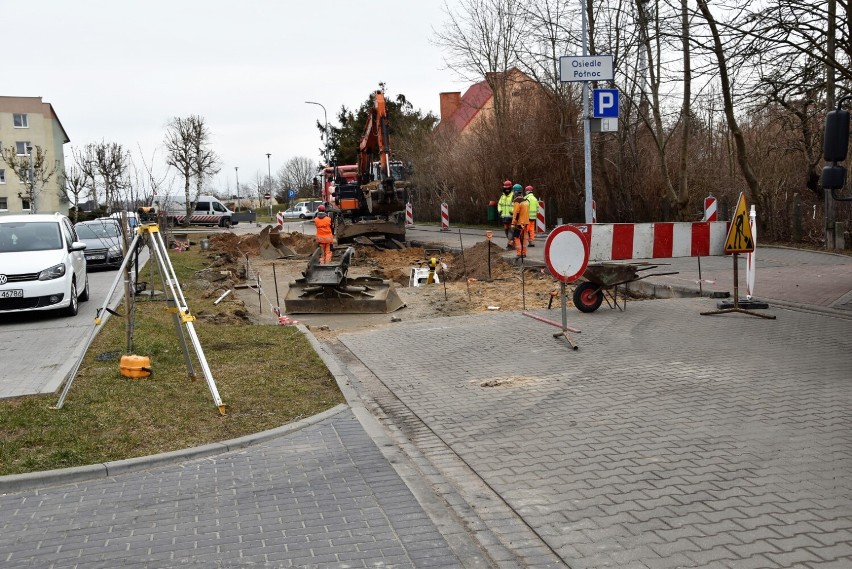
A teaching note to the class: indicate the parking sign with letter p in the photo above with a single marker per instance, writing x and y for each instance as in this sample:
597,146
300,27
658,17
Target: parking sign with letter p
605,103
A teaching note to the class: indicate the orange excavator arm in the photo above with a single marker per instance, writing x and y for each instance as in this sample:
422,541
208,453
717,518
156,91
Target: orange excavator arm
376,138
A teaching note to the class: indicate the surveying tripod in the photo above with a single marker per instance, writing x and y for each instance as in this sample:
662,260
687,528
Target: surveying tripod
149,234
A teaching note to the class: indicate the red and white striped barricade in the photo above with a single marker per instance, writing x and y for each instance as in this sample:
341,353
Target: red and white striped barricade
445,217
540,225
710,211
624,241
594,212
409,214
279,219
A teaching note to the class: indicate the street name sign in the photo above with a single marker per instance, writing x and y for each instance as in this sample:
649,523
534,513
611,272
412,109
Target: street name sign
585,68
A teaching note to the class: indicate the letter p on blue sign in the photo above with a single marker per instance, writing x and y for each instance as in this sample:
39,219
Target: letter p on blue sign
605,103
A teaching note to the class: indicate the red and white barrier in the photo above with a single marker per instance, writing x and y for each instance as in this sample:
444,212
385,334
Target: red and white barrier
279,219
710,211
445,217
621,241
540,226
409,214
594,212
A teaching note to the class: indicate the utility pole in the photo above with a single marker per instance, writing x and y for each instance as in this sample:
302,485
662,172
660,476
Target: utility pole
269,182
237,174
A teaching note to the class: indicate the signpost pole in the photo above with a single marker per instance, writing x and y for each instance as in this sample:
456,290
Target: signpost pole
587,126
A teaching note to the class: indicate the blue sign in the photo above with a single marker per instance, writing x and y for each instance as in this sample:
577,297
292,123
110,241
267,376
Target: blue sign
291,193
605,103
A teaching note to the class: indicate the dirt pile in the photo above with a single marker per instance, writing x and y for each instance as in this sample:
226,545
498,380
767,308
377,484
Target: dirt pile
466,286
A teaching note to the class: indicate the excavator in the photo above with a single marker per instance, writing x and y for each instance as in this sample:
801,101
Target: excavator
370,209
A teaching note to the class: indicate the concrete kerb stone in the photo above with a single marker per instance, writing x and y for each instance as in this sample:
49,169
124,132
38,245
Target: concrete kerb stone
32,480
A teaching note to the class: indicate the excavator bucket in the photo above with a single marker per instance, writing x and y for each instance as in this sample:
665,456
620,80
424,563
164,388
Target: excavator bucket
271,245
325,289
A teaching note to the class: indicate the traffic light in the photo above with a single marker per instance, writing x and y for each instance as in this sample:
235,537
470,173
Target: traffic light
836,142
834,150
316,184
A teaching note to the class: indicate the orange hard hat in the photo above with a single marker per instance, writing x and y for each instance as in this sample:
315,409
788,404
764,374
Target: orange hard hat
507,184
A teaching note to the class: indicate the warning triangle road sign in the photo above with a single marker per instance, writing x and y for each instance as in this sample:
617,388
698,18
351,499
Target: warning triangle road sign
740,239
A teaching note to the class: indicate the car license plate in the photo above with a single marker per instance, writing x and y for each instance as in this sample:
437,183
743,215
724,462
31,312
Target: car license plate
96,257
14,293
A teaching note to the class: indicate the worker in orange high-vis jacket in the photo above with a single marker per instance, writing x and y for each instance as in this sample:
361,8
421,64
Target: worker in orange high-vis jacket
325,236
520,221
533,213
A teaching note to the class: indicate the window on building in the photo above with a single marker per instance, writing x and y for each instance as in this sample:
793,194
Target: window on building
25,204
2,176
21,147
20,120
4,203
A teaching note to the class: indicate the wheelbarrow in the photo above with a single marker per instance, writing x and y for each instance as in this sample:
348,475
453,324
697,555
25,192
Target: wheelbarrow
601,282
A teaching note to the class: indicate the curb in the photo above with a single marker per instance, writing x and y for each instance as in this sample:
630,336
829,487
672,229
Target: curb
32,480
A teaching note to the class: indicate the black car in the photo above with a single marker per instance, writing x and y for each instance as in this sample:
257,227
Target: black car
103,242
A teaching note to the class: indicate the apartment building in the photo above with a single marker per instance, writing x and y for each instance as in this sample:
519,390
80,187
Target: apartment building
27,123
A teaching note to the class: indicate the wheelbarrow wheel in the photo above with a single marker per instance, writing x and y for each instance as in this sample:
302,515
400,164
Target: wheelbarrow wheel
588,297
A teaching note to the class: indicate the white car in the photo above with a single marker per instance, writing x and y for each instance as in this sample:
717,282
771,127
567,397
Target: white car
298,211
42,264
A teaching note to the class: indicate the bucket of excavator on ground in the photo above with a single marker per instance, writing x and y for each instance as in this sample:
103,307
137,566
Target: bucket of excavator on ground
271,244
362,295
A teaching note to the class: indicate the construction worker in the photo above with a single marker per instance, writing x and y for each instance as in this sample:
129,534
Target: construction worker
520,221
325,235
533,206
505,207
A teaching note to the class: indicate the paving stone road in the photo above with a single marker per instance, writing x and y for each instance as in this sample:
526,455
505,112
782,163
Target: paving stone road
669,439
321,497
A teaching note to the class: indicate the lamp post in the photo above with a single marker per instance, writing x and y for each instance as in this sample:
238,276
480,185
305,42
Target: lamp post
237,174
325,129
269,182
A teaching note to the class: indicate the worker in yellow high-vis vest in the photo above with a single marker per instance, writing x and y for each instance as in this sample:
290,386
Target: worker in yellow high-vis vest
533,212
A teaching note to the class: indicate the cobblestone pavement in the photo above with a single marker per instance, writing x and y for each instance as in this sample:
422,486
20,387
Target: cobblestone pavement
669,439
321,497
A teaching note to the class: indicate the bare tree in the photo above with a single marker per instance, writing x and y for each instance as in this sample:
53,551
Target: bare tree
110,163
733,125
32,170
188,146
73,181
297,173
482,38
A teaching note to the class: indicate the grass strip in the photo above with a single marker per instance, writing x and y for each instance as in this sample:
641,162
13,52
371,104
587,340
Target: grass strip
267,376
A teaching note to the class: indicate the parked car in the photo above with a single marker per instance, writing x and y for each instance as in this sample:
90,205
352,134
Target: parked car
42,264
298,211
312,207
103,242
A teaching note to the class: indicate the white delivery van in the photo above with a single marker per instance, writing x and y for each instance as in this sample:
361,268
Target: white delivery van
208,211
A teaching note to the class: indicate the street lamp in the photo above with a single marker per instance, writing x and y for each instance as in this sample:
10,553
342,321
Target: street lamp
325,130
269,181
237,174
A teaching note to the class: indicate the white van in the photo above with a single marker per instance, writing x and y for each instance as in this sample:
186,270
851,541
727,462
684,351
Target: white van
208,211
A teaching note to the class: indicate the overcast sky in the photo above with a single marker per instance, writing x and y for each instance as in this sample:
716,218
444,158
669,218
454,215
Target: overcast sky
117,71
